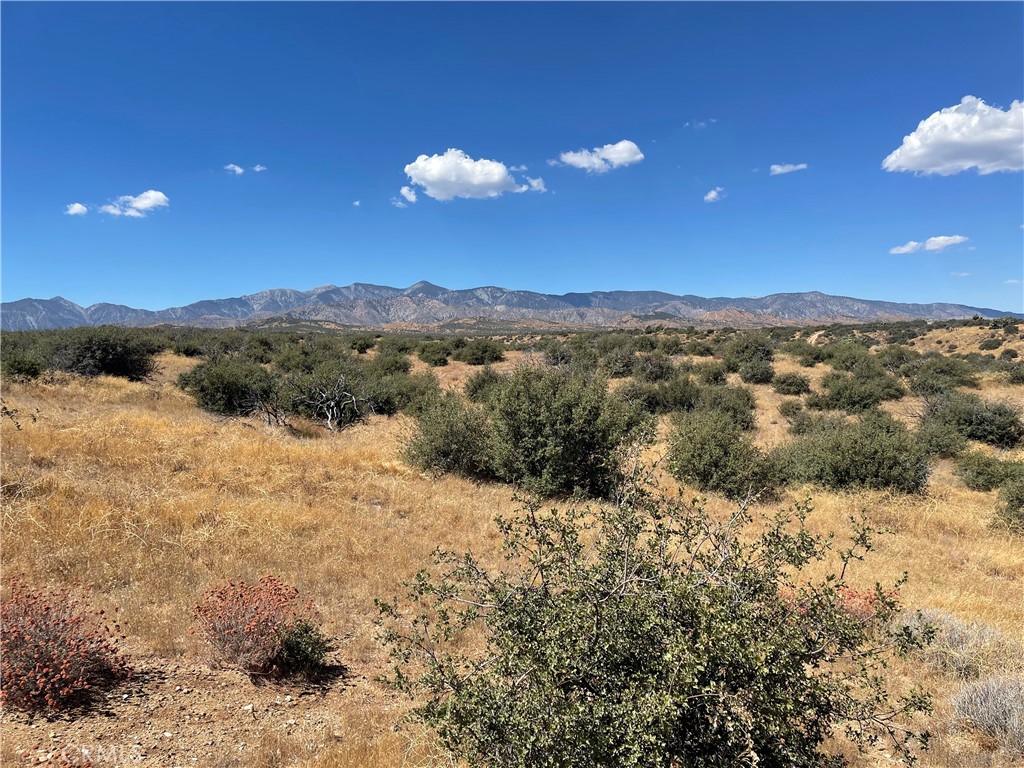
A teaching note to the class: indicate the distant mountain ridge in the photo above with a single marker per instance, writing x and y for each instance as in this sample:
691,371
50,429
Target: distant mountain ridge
364,304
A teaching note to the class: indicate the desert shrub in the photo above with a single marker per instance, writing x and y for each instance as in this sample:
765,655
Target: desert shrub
619,361
790,409
994,423
988,344
747,349
791,384
671,345
805,353
362,344
848,354
388,365
878,452
263,629
482,384
1009,354
677,394
994,707
757,372
104,351
737,403
855,393
895,357
55,653
1011,510
1015,374
19,357
434,353
558,433
404,392
712,373
964,650
400,346
230,386
451,436
982,472
940,439
480,352
653,367
708,450
335,394
647,633
698,348
939,374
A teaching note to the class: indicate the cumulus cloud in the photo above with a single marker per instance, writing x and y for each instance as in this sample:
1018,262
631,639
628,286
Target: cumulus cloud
714,195
971,134
937,243
259,168
602,159
536,185
76,209
235,169
518,168
137,206
456,174
357,203
777,169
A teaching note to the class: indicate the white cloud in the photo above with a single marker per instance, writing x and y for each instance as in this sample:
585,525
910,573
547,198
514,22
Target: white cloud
518,168
602,159
456,174
398,203
937,243
959,274
357,203
536,185
1012,281
777,170
137,206
714,195
409,194
235,169
971,134
76,209
259,168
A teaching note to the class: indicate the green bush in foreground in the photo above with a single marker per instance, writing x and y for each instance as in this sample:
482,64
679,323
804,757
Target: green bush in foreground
451,436
981,472
997,424
647,634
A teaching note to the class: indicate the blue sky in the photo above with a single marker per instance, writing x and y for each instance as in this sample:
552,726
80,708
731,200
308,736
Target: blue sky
630,115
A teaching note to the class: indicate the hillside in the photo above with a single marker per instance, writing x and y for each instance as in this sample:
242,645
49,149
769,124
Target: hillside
423,303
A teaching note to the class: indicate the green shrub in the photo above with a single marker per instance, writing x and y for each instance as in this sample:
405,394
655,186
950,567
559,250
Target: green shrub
619,362
482,384
698,348
988,344
805,353
712,373
653,367
230,386
450,436
557,433
895,358
1016,374
388,365
941,440
855,393
878,452
791,384
790,409
747,349
997,424
1011,511
650,634
677,394
847,355
708,450
104,351
1009,354
434,353
20,360
982,472
403,392
757,372
480,352
940,374
737,403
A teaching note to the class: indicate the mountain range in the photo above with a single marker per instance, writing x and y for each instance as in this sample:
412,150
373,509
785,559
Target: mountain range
366,305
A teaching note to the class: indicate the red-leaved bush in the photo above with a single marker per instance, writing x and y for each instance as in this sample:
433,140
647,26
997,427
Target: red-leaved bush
263,628
54,652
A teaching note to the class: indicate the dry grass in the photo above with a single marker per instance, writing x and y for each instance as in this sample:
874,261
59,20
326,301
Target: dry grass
131,488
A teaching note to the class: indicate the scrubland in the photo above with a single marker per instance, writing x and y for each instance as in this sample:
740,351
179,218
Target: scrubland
129,488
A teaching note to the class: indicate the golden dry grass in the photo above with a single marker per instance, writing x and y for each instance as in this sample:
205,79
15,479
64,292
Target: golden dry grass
131,488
